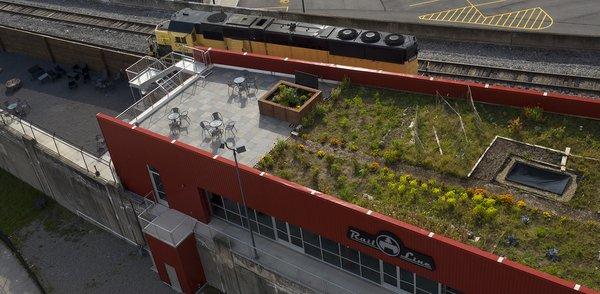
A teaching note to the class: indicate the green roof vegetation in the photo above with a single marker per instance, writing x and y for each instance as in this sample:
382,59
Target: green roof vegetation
365,146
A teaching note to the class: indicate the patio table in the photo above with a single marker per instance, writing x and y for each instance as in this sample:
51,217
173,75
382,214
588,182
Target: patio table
173,116
12,106
239,80
216,123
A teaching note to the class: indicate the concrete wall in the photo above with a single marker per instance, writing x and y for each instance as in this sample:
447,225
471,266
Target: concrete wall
421,30
96,200
63,51
235,274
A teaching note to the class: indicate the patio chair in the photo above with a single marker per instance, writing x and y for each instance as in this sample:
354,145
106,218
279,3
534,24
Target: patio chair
230,127
217,116
175,110
36,71
205,127
86,77
85,68
183,116
53,75
23,109
251,83
231,88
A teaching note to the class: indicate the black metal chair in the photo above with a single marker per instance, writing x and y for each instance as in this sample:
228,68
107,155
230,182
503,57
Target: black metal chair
205,127
217,116
36,71
230,127
183,116
53,75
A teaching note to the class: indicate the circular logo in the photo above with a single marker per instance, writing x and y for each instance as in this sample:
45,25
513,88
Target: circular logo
388,244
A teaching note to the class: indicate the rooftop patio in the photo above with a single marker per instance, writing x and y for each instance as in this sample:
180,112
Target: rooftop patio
200,98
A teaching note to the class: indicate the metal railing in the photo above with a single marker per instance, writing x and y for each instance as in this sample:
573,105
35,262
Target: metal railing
206,234
149,221
149,102
98,166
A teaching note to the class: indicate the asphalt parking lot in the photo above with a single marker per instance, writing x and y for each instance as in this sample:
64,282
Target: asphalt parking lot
566,17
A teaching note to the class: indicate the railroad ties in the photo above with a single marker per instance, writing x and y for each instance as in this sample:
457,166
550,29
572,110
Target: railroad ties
78,18
513,77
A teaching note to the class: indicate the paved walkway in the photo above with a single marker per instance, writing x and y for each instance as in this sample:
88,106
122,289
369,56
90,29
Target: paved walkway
13,277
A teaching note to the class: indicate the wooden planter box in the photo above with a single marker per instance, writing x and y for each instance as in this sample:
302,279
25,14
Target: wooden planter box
290,114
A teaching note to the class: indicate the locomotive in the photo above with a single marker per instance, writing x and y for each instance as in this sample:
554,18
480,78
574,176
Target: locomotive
298,40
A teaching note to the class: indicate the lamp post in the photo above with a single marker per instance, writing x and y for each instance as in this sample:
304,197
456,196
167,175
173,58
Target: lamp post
303,7
236,150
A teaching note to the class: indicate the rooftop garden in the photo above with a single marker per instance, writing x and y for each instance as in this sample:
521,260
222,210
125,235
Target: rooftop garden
379,149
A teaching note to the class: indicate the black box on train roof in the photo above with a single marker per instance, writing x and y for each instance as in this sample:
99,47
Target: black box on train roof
238,26
185,20
298,34
257,29
343,42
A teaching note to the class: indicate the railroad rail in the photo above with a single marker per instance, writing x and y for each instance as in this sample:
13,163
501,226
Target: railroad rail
514,77
129,26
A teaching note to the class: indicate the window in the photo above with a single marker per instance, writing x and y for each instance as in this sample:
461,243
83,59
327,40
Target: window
390,274
369,268
426,286
159,189
180,40
312,245
407,281
448,290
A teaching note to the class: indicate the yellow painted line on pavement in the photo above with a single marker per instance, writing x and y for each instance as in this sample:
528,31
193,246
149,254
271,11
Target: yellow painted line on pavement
526,19
424,2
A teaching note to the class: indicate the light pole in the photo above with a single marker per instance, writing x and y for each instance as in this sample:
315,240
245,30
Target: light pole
303,8
236,150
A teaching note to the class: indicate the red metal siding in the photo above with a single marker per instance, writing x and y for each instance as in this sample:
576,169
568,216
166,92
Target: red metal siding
184,259
552,102
184,168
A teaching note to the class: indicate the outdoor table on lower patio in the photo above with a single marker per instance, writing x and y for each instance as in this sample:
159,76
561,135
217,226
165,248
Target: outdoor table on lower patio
13,85
12,106
239,81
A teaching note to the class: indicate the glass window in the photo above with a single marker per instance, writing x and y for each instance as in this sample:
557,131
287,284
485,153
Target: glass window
389,274
180,40
231,205
264,219
391,280
219,212
331,258
266,231
351,266
282,236
310,238
330,246
370,274
296,241
426,286
216,199
312,250
407,281
159,188
234,218
368,261
448,290
281,225
295,231
349,253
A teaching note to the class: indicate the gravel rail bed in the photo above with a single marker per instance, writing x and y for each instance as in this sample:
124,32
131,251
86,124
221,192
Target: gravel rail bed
109,38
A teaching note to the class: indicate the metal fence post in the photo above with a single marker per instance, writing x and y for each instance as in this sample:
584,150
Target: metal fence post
86,166
22,127
112,172
55,145
32,132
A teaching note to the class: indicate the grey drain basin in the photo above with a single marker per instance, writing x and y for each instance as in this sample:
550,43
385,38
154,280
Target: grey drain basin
539,178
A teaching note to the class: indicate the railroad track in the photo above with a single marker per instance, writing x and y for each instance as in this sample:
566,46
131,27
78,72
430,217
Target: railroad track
136,27
528,79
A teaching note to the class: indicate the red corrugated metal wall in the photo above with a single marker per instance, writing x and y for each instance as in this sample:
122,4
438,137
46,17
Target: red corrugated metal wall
184,169
184,259
552,102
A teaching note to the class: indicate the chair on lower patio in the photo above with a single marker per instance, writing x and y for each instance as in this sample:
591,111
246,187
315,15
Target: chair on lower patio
183,116
205,127
217,116
230,127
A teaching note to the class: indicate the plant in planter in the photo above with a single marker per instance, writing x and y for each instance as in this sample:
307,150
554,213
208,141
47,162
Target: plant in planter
290,97
288,101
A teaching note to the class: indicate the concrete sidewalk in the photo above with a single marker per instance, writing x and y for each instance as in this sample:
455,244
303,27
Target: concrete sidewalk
13,277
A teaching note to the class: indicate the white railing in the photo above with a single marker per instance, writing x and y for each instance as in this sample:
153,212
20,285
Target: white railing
98,166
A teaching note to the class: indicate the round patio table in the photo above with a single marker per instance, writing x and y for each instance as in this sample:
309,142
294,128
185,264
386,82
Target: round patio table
173,116
216,123
13,85
12,106
239,80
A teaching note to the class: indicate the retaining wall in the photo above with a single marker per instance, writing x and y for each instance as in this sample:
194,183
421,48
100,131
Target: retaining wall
421,30
103,203
63,51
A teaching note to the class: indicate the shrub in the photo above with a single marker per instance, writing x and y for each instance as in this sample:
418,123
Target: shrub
266,162
506,199
329,159
478,211
280,146
414,183
374,166
463,197
335,93
335,141
490,213
320,154
450,194
301,147
323,137
286,174
515,126
343,122
290,96
353,147
478,198
520,204
335,169
547,214
436,191
489,202
401,188
391,155
534,113
481,191
424,187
